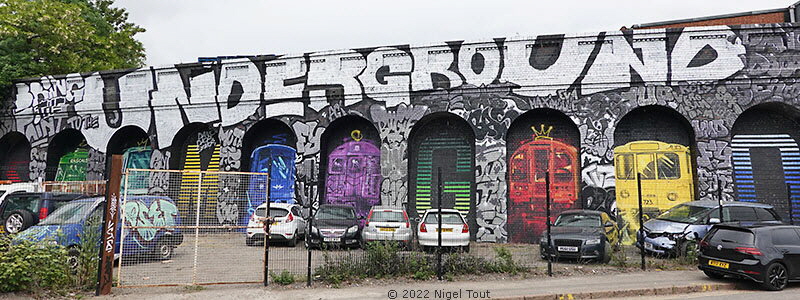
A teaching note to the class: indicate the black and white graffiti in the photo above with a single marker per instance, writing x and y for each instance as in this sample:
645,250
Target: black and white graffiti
707,76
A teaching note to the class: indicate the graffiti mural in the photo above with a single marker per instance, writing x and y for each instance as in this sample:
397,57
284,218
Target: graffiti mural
279,162
148,219
707,76
201,152
775,178
15,155
354,174
665,181
269,146
442,156
529,165
72,166
766,158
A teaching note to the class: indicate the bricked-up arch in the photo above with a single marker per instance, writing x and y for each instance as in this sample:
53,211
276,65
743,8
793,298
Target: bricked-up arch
133,138
539,141
15,157
446,141
269,146
63,143
658,143
196,147
765,157
351,164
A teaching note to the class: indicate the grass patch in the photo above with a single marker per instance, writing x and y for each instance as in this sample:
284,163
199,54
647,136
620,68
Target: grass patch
385,260
284,278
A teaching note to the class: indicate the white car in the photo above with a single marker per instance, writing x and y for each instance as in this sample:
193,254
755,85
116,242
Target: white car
10,188
385,223
287,225
455,231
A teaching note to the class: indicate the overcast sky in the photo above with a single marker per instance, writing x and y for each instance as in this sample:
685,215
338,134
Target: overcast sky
182,30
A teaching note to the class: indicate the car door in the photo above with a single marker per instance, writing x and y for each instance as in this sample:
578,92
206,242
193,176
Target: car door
787,242
301,222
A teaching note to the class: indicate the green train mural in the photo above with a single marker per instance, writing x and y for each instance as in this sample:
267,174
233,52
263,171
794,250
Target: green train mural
72,166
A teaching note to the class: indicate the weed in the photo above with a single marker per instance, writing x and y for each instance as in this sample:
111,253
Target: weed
384,260
284,278
32,267
619,258
194,288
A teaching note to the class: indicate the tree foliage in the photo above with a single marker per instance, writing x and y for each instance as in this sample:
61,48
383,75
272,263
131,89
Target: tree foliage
41,37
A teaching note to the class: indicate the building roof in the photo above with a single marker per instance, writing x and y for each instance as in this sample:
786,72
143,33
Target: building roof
792,7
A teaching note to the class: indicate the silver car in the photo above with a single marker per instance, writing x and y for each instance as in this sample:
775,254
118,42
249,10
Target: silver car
675,231
386,223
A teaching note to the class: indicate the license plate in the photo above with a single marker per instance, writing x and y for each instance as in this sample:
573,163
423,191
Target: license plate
445,230
648,246
332,239
718,264
567,249
387,229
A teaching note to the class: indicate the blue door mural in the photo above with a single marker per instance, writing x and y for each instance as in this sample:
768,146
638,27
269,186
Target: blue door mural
279,162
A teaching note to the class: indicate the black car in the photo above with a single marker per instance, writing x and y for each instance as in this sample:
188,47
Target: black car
22,210
581,234
334,225
767,254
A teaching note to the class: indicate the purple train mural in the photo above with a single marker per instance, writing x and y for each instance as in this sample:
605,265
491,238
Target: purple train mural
354,174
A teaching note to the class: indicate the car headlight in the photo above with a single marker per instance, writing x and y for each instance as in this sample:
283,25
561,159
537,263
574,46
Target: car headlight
352,229
314,229
593,242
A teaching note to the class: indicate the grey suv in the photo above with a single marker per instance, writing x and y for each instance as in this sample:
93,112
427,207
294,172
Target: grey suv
675,232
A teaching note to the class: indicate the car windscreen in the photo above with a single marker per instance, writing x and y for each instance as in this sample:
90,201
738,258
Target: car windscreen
69,213
387,216
684,213
336,213
447,218
273,212
578,220
733,236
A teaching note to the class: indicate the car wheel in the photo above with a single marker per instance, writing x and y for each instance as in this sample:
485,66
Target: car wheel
688,249
72,259
465,249
713,275
776,278
606,254
18,221
164,251
293,240
250,241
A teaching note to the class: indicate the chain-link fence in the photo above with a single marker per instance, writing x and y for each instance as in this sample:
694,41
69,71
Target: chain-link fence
190,227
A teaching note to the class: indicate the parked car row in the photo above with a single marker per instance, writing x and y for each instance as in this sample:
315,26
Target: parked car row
338,226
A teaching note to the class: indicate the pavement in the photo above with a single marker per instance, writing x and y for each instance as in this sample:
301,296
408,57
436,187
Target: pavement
648,284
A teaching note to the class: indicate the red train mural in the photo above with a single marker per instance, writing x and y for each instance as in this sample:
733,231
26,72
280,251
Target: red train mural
527,168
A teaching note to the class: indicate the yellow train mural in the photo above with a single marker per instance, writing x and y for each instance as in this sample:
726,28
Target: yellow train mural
667,180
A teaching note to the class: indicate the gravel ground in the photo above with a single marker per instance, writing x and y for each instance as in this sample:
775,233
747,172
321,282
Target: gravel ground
224,258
